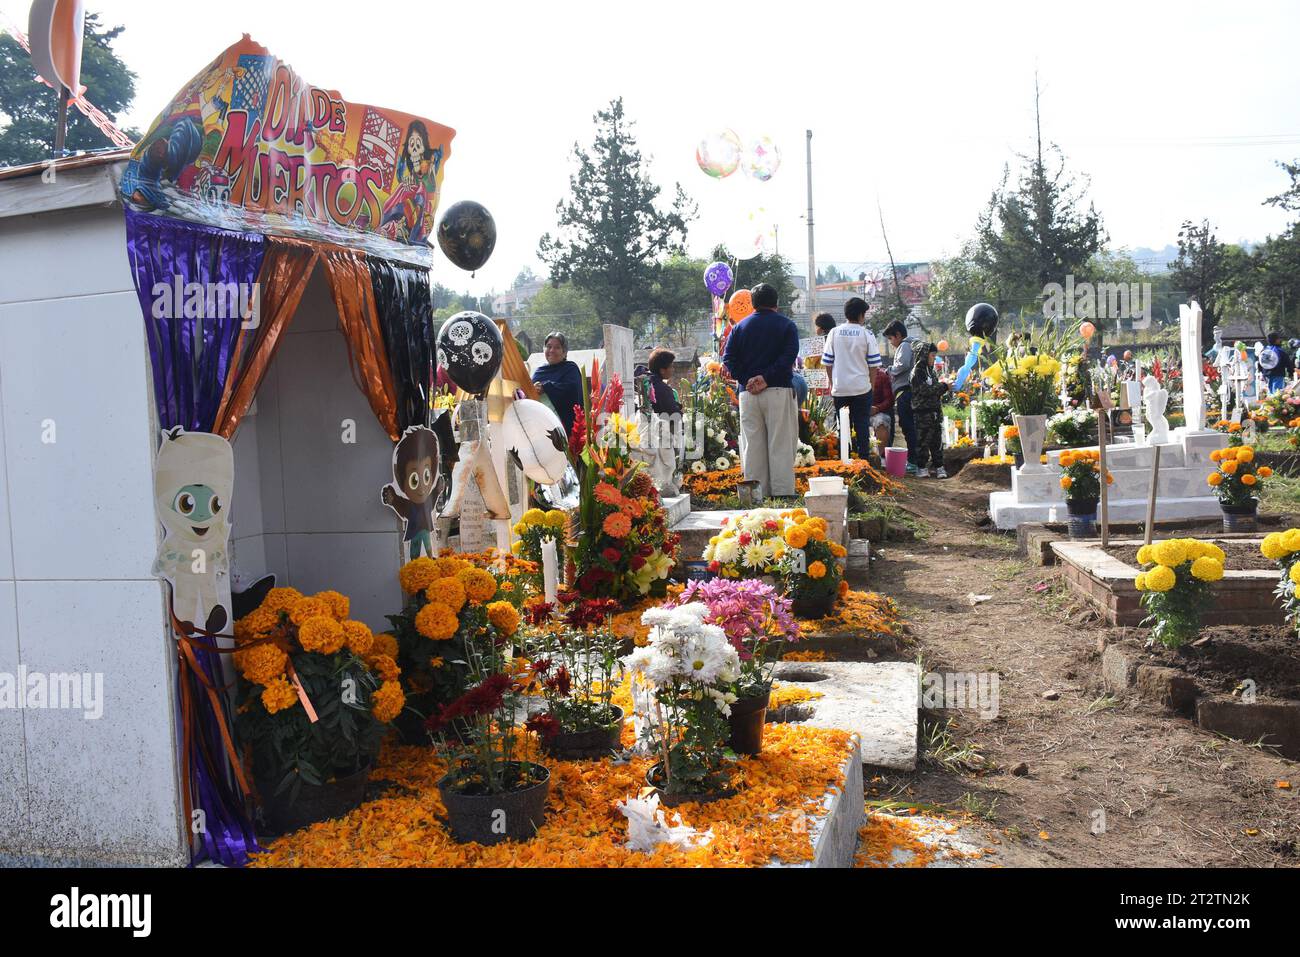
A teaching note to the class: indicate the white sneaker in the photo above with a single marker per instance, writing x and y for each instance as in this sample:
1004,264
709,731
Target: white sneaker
940,472
922,473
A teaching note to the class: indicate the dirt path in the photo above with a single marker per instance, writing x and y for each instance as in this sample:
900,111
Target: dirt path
1171,794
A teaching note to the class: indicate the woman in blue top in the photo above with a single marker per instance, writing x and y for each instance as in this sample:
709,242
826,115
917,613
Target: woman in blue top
560,379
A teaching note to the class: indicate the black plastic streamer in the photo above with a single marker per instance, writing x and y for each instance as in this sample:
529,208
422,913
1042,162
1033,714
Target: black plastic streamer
405,306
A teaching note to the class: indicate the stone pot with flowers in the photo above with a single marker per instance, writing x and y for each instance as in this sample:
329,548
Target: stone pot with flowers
317,691
1236,481
759,623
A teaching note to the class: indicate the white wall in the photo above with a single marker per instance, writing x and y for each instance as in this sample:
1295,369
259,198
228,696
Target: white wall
77,539
306,504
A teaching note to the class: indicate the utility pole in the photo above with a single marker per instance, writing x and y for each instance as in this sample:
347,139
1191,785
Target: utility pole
812,259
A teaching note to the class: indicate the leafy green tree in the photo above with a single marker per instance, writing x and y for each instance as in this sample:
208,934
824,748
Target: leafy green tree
1207,271
29,107
612,235
680,299
562,307
956,284
1036,232
1290,199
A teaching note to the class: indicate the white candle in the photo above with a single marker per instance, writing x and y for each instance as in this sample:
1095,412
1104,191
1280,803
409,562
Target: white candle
844,434
550,569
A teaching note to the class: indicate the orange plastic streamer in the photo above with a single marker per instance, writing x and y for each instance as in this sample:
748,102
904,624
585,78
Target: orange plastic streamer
354,297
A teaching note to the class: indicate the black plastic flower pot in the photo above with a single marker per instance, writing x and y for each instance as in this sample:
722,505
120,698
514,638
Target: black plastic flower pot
1240,518
654,778
1083,517
587,745
748,715
315,802
818,606
492,818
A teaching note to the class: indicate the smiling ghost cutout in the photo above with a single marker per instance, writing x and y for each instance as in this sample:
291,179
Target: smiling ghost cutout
193,477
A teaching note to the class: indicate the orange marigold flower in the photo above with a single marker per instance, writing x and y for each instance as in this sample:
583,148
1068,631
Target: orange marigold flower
1264,472
418,574
385,643
1245,454
844,587
278,695
796,537
339,604
504,618
385,667
449,567
480,586
305,608
616,525
436,622
817,570
281,599
1248,479
387,702
1216,455
1066,481
321,634
1214,478
358,637
449,592
1229,468
261,663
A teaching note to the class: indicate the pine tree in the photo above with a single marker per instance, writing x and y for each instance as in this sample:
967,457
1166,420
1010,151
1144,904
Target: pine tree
1207,271
31,107
612,236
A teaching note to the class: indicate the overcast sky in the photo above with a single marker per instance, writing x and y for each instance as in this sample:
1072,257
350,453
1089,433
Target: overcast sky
1173,110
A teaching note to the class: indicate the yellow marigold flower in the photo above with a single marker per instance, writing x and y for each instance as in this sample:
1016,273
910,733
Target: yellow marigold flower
1245,454
321,634
557,518
1271,547
1171,553
1291,539
534,516
281,599
1144,555
448,591
480,586
417,574
1229,468
387,702
1214,478
1214,551
1140,583
339,604
503,617
385,643
796,537
385,667
1294,573
1160,578
358,637
261,663
516,548
436,621
278,695
305,608
817,570
1207,569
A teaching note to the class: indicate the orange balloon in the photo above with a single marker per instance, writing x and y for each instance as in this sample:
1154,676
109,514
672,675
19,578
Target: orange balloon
740,306
943,345
1087,329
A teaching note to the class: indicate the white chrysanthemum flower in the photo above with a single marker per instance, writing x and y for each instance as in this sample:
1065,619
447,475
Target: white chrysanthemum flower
723,462
698,466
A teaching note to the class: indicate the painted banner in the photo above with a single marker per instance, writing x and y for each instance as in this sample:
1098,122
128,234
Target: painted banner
250,145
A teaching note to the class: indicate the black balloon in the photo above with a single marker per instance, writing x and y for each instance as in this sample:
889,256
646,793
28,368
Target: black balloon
469,348
982,320
467,235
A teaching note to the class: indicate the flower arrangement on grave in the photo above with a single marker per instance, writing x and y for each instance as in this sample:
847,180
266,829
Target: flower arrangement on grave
533,527
1029,370
810,568
1293,432
625,550
1281,407
347,674
1233,430
450,600
576,670
1012,435
1236,480
1073,427
992,414
1175,586
711,420
748,546
1081,475
755,618
1284,549
688,665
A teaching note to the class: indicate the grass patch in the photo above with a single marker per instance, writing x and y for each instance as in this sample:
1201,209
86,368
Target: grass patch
942,748
1009,570
1281,493
1001,543
892,515
979,807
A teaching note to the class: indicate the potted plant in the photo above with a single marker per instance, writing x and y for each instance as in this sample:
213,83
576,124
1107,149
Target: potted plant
316,693
1028,369
1284,549
688,666
1232,430
576,671
1073,427
809,567
1236,482
1011,436
1081,480
758,622
748,546
491,794
1175,586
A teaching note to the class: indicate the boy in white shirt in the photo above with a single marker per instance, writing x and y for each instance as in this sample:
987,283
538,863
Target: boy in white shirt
849,356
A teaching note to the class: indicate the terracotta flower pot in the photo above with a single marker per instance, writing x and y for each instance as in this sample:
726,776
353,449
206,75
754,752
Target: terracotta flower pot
493,818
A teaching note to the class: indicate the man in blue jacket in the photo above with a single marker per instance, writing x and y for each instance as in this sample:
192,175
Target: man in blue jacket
760,356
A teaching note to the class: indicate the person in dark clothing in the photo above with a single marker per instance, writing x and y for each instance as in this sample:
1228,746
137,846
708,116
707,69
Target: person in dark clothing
760,356
900,371
882,406
662,396
927,407
824,323
560,379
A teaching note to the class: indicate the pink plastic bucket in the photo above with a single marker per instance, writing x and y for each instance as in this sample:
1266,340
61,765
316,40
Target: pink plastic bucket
896,461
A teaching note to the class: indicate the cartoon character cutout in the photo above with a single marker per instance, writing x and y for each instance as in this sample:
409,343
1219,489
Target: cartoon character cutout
406,217
194,476
416,487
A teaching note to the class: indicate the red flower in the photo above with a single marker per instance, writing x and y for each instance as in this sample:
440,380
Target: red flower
483,698
543,725
637,562
714,566
578,438
560,682
612,555
536,613
744,539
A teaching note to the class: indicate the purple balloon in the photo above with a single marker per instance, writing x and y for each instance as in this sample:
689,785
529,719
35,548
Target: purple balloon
718,278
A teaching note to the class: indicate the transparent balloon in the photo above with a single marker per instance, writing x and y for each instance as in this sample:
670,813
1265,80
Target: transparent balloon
762,159
719,154
751,234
